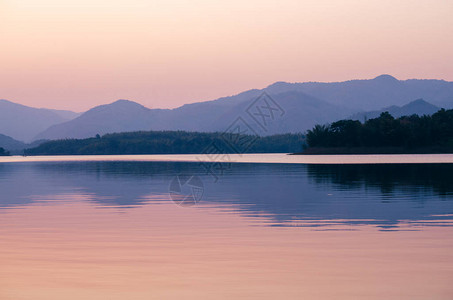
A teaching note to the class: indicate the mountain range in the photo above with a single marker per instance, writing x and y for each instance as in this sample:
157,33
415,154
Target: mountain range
14,146
417,107
374,94
279,108
300,112
25,123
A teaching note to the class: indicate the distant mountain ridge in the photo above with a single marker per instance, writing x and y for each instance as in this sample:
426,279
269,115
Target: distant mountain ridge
119,116
304,105
14,146
417,107
374,94
9,143
24,123
301,111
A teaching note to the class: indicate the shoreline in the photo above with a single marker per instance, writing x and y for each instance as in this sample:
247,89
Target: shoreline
270,158
374,151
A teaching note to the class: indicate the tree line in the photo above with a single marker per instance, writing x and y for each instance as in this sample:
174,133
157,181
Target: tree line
408,133
3,152
168,142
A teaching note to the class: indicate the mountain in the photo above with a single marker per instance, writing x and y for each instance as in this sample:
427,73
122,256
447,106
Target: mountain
417,107
9,143
24,123
14,146
374,94
300,112
120,116
301,106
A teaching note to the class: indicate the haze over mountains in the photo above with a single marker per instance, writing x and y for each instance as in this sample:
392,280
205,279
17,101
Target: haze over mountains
14,146
24,123
300,112
374,94
302,105
418,107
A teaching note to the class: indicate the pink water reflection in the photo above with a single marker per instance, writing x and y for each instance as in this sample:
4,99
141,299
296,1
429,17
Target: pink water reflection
68,248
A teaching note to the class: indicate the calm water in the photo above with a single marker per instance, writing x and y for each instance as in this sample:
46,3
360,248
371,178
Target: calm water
111,230
280,158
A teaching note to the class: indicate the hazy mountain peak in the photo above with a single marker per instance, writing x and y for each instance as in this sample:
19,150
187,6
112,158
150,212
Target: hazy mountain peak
119,116
419,102
385,78
23,122
417,107
125,102
120,106
421,105
279,84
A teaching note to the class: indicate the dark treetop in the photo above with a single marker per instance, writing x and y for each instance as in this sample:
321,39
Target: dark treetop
3,152
385,134
166,142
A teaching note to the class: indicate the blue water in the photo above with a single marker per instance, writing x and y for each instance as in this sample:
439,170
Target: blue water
287,195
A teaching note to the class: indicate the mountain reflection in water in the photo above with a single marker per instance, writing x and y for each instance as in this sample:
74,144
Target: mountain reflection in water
286,195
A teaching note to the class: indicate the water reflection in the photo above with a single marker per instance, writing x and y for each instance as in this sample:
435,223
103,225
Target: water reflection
285,195
414,178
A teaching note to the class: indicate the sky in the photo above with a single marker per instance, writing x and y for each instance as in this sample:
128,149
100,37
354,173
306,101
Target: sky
75,54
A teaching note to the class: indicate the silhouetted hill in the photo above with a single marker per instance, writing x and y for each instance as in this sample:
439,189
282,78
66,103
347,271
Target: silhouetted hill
24,123
302,106
374,94
120,116
9,143
16,147
300,112
418,107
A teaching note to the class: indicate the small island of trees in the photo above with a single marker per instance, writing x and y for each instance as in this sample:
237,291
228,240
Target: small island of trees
385,134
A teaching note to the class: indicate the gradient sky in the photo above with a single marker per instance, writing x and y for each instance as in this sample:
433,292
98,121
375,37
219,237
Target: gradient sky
164,53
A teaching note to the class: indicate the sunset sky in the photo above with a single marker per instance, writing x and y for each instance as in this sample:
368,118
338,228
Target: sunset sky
74,55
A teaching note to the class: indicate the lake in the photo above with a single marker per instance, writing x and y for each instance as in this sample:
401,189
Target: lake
295,227
279,158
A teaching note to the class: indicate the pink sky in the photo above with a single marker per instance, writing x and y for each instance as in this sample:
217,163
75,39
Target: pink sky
164,53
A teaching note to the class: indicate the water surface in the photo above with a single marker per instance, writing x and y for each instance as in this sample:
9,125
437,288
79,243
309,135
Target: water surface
280,158
110,230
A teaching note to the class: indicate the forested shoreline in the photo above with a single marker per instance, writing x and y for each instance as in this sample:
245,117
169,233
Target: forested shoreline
3,152
384,135
170,142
